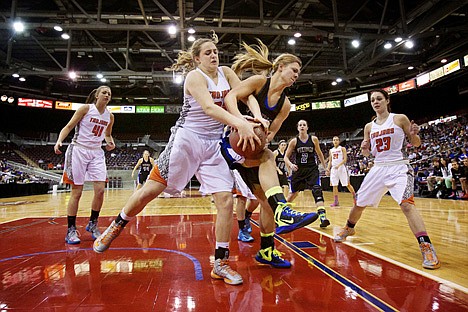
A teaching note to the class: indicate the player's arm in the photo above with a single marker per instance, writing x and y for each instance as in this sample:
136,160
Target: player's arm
289,150
410,128
196,85
345,156
76,118
327,171
319,151
138,164
108,134
275,154
152,161
279,119
365,144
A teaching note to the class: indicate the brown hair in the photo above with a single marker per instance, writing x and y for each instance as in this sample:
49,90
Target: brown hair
92,96
255,59
185,59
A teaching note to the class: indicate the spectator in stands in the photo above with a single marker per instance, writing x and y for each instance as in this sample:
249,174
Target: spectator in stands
84,158
464,178
385,138
456,173
145,163
435,176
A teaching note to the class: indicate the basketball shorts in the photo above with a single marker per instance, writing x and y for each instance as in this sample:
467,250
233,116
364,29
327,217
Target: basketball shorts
241,187
397,179
84,164
235,161
304,179
339,175
283,179
142,177
188,154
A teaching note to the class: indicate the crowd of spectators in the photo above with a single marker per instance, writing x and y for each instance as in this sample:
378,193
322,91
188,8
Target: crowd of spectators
9,175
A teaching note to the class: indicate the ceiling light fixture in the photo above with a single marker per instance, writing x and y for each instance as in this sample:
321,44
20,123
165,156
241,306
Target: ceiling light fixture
58,28
410,67
443,61
65,36
297,35
99,75
291,41
398,39
355,43
388,45
172,30
191,30
339,79
72,75
409,44
334,83
18,26
22,79
15,75
191,38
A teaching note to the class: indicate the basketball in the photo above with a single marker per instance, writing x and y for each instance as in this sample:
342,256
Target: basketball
248,153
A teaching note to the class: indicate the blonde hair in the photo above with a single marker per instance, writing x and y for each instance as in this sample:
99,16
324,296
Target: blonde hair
92,96
255,59
185,59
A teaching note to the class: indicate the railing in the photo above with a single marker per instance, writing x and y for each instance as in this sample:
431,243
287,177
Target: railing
35,171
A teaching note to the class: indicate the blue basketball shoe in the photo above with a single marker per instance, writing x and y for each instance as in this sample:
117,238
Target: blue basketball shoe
288,220
272,257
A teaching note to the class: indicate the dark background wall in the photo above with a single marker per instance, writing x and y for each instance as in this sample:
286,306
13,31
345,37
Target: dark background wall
420,105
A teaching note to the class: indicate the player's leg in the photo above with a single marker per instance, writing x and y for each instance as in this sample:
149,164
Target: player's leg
243,235
72,209
96,206
268,253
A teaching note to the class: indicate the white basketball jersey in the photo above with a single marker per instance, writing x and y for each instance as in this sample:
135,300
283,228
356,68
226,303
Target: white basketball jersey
337,155
192,116
387,141
90,131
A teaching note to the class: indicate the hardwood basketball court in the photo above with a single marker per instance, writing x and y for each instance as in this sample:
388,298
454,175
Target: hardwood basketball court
162,260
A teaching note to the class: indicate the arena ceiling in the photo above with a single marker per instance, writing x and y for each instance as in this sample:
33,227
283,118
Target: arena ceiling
128,42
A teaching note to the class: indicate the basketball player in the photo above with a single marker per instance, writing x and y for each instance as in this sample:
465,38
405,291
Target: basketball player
84,158
305,172
194,148
270,107
146,163
384,137
281,166
337,170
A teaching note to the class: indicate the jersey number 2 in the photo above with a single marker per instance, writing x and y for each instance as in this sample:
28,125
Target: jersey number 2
383,144
97,130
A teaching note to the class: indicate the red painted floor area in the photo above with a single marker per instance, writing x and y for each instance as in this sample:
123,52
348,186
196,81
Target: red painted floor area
162,263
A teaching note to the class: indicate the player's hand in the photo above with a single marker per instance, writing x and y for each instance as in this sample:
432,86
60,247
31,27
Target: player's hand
247,135
110,146
294,167
327,172
57,147
413,128
265,123
365,145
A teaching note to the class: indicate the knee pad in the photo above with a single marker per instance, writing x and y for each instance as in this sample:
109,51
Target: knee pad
317,193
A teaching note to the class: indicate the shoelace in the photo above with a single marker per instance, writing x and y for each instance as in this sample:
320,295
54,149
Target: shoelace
293,212
112,233
278,253
426,249
225,267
